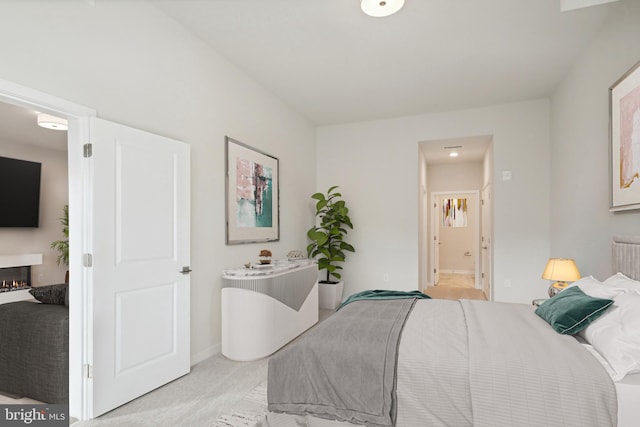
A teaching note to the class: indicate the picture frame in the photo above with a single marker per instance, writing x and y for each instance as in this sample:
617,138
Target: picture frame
624,135
252,194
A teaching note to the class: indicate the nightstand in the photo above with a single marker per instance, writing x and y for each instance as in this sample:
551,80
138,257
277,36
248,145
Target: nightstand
538,301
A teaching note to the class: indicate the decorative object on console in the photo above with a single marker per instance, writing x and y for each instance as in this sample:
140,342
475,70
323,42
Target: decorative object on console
265,256
296,255
624,127
562,270
252,194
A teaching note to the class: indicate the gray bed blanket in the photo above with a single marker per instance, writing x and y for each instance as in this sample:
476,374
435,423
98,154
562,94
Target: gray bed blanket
484,364
344,369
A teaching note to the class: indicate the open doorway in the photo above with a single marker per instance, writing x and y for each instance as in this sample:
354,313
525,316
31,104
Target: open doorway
120,264
57,151
455,227
33,155
452,214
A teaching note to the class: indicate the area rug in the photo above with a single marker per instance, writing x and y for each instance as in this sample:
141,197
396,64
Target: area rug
247,412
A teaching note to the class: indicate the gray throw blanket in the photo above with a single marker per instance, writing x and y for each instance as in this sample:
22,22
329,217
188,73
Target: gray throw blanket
318,374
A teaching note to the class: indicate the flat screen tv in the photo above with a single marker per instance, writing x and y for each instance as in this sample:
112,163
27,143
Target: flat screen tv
19,193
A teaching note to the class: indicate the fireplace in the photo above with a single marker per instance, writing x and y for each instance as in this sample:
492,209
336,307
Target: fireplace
15,278
15,275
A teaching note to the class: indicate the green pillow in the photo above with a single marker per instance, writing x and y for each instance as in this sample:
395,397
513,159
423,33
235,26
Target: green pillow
572,310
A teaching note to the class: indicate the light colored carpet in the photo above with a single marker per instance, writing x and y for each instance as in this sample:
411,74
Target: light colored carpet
195,400
214,388
248,411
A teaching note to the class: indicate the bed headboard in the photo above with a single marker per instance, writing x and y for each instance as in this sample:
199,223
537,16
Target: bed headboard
626,255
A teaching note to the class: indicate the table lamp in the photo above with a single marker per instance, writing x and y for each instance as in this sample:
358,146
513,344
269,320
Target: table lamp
562,270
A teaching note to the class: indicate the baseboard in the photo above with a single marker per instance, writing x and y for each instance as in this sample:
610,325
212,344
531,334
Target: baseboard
205,354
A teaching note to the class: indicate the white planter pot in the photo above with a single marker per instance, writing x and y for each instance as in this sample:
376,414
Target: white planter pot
330,295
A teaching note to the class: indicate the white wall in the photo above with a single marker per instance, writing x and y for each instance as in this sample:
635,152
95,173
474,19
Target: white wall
581,224
135,66
455,177
54,195
376,165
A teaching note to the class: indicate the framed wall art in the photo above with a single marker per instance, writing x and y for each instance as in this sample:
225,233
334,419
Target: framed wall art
252,196
624,127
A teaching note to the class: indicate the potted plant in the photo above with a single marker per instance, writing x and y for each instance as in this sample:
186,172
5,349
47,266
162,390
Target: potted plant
328,244
62,246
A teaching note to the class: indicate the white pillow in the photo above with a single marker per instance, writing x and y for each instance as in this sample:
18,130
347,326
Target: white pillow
595,288
619,280
616,334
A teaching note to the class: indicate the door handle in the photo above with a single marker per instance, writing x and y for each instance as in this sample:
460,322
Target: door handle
485,247
185,270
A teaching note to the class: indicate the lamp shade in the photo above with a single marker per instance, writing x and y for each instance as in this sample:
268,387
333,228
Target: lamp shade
380,8
561,269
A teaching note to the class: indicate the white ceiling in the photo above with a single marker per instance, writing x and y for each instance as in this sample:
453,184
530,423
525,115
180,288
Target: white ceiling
334,64
472,150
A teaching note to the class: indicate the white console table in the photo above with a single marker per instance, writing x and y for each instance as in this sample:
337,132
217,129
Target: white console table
262,310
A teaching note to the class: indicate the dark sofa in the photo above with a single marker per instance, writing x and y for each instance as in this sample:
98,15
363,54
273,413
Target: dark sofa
34,351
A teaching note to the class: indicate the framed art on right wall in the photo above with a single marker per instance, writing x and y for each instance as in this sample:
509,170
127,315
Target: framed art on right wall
624,129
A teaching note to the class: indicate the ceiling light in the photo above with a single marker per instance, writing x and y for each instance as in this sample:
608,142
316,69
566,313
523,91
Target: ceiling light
453,154
380,8
51,122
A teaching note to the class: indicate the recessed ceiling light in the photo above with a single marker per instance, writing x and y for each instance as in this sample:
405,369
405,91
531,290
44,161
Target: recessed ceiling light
381,8
51,122
453,154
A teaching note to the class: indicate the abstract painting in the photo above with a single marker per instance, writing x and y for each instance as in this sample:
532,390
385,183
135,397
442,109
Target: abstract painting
252,194
454,213
624,99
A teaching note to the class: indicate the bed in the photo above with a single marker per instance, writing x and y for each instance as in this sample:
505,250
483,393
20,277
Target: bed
477,364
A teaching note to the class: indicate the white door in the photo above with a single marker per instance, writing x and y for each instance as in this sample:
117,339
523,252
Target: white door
437,211
140,297
486,241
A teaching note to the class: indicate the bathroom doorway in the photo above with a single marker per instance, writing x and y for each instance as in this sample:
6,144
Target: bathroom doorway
455,220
